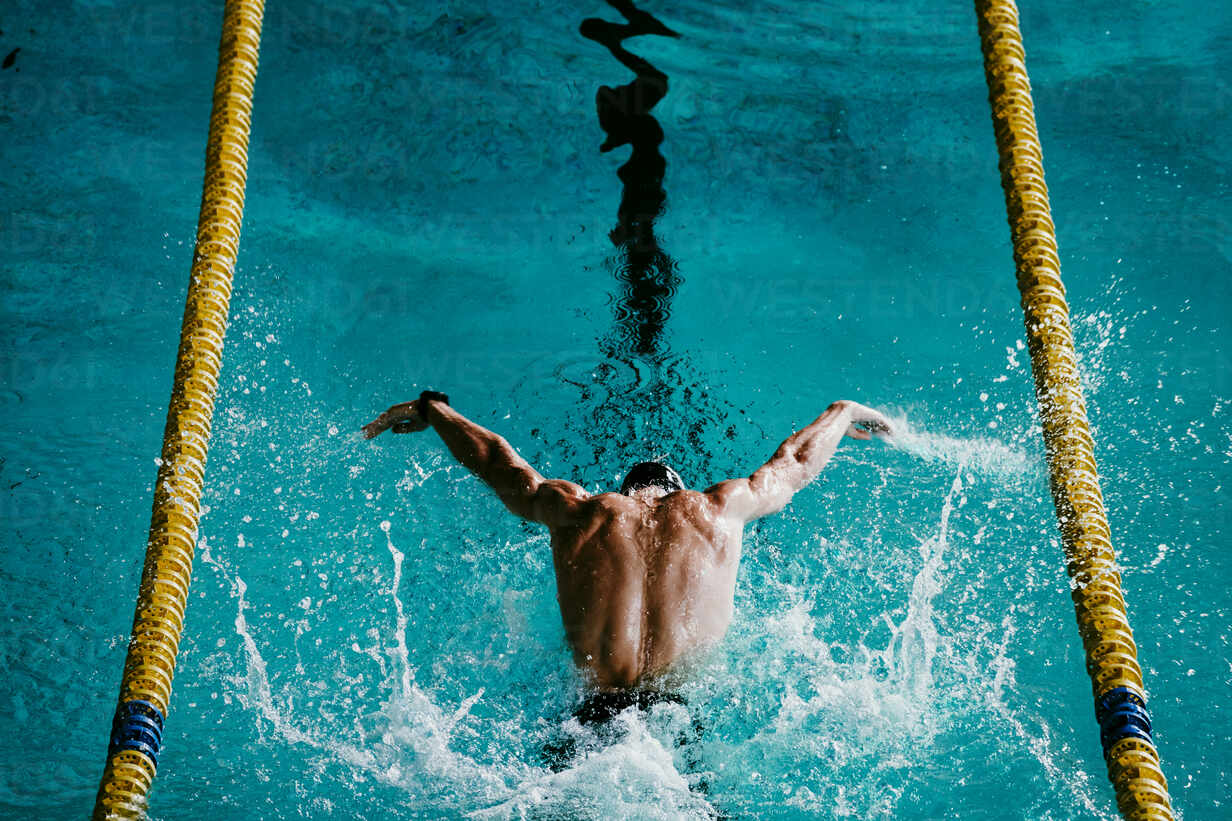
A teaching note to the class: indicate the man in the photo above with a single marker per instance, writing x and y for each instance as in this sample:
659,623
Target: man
646,575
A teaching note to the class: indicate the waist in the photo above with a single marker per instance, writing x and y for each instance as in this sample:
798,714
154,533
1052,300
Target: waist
602,706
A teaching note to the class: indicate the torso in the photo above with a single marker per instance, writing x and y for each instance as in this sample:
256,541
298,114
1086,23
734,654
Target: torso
641,583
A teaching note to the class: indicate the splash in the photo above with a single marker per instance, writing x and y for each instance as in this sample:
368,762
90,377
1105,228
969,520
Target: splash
634,778
990,457
402,653
892,668
868,708
914,645
1040,743
254,684
406,744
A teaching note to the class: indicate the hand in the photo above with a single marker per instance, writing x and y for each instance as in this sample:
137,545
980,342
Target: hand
403,418
865,422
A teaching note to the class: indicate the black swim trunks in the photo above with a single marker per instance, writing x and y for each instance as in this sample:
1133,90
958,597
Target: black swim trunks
599,709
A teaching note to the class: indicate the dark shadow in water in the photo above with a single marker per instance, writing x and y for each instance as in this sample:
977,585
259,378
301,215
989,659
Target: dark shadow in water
640,401
647,274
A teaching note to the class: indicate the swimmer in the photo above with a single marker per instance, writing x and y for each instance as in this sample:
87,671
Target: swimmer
646,576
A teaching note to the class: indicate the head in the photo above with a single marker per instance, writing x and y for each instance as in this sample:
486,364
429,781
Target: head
651,475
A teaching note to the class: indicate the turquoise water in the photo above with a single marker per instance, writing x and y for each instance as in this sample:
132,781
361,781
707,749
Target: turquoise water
371,635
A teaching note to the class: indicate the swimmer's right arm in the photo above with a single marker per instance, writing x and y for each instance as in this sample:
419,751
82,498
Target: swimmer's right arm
797,462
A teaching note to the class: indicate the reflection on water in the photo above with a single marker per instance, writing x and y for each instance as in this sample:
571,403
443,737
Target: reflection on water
647,274
641,401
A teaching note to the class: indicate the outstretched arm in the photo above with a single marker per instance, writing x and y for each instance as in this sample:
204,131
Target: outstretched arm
486,454
797,461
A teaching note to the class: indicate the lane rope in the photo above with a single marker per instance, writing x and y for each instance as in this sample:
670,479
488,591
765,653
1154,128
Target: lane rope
145,691
1111,655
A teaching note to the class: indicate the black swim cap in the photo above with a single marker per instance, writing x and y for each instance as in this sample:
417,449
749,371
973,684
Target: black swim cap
651,474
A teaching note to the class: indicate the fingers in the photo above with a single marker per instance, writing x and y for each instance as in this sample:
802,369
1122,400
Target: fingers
376,426
878,429
403,418
858,433
874,421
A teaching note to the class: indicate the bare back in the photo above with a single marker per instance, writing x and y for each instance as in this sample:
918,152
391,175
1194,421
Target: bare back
642,581
645,578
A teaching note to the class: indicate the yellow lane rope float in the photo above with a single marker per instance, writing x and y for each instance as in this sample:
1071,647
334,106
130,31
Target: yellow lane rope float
145,691
1111,655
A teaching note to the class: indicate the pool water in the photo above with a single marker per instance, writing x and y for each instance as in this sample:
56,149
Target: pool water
371,635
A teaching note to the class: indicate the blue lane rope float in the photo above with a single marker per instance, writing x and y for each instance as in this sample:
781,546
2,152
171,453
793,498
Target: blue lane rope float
138,726
145,690
1122,714
1111,655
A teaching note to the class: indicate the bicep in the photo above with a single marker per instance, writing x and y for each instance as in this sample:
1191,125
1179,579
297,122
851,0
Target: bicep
767,490
528,495
511,477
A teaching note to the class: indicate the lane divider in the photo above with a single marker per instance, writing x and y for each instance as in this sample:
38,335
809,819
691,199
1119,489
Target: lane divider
1111,655
145,691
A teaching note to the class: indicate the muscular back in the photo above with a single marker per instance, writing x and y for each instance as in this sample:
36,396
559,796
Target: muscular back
641,580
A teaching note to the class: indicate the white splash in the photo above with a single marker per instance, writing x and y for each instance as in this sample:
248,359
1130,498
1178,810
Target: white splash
402,653
914,644
410,741
990,457
634,777
258,695
1077,781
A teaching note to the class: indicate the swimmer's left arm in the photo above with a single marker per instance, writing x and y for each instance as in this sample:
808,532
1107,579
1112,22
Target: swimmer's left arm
403,418
488,455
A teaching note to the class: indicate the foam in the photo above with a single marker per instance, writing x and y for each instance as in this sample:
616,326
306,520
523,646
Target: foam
635,777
